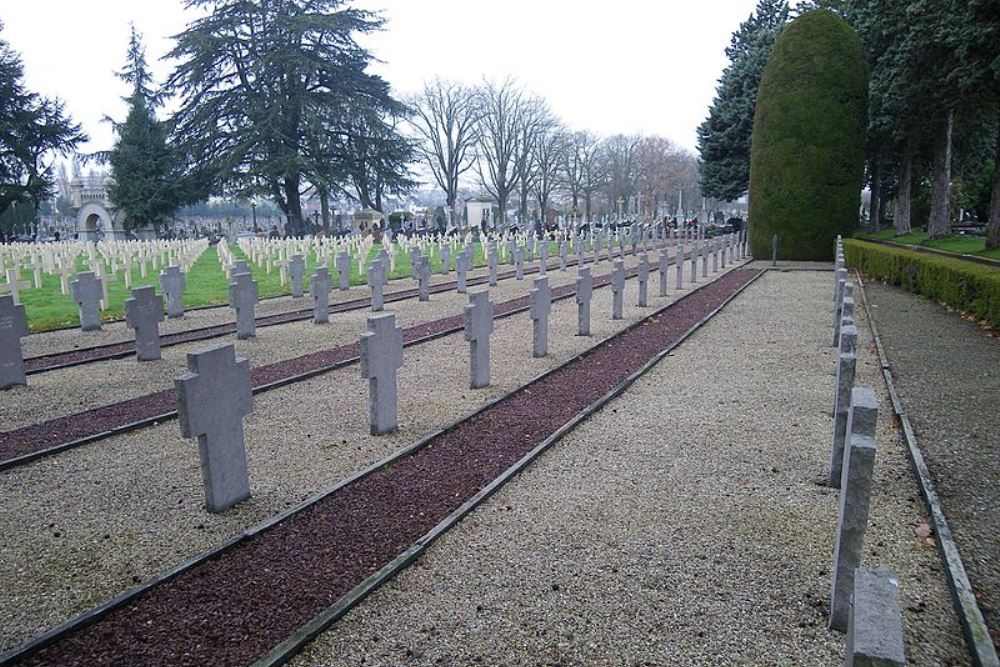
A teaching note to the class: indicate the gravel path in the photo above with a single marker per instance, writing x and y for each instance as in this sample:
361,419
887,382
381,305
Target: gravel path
681,525
93,521
947,373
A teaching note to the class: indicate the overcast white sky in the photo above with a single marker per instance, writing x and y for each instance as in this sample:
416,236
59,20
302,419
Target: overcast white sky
625,66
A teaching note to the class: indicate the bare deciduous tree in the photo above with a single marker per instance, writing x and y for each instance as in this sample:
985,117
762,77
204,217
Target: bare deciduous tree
621,155
584,169
547,157
500,111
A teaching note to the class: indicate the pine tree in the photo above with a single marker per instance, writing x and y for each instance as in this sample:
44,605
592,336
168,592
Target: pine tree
724,137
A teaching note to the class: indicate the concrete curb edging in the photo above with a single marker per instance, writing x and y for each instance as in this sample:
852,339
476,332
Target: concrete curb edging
974,627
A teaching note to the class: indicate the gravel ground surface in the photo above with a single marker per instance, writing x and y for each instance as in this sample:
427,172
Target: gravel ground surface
681,525
93,521
70,390
791,266
947,373
116,332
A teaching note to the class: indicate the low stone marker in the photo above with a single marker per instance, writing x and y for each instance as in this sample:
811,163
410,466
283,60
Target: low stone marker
715,254
319,287
87,293
617,289
239,266
643,280
855,495
144,312
664,271
445,259
848,339
13,327
172,286
846,311
846,365
343,266
424,276
838,295
376,280
562,255
541,306
875,626
679,265
212,400
243,297
478,327
584,294
704,259
491,263
297,272
381,357
14,284
462,263
694,262
519,263
543,257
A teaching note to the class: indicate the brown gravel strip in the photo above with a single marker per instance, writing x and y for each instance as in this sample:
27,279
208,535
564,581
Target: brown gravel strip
234,607
91,425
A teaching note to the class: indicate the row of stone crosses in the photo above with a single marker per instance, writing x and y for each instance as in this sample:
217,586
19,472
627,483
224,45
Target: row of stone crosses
864,603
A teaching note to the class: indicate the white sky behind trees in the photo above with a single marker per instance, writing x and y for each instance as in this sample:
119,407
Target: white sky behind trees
631,66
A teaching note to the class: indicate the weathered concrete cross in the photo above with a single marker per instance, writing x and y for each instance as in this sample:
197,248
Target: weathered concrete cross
462,264
445,259
541,306
478,327
297,270
172,286
664,271
87,293
617,289
243,297
381,357
424,276
643,276
376,280
343,266
519,263
319,287
144,312
14,285
584,293
491,262
13,327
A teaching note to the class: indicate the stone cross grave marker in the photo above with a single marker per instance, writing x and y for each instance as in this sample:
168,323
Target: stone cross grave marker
212,400
424,277
445,259
855,495
462,262
144,312
319,287
14,285
343,266
541,306
679,266
415,255
376,273
13,327
617,289
478,327
87,294
584,294
643,280
724,250
243,297
704,259
694,262
543,257
491,262
715,254
664,271
562,255
381,357
296,271
239,266
519,263
172,286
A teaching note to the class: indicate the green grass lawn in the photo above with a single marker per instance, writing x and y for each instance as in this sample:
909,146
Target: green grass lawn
965,245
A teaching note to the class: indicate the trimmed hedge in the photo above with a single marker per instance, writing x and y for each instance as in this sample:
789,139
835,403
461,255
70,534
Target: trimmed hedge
807,152
972,288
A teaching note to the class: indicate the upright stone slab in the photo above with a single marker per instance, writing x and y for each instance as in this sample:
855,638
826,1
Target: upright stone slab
343,266
87,293
445,259
846,365
143,313
562,255
704,259
679,266
212,400
855,495
462,263
376,280
381,357
543,257
239,266
617,289
584,294
694,262
715,254
424,276
848,339
478,327
297,272
319,287
243,297
875,625
13,327
664,271
541,306
839,295
491,263
519,263
172,287
643,276
846,311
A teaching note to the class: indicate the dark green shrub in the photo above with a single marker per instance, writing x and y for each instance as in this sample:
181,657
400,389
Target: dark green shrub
808,147
965,286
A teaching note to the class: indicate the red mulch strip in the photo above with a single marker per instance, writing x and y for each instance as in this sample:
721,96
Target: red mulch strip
229,610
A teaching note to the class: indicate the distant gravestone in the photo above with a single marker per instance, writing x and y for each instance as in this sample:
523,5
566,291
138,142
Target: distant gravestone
445,259
846,311
13,327
144,312
617,289
462,263
491,262
376,280
239,266
415,262
478,327
212,400
541,306
519,263
319,287
543,257
846,365
343,266
679,266
715,254
172,286
584,294
87,293
694,262
562,255
704,259
297,271
381,357
14,284
424,277
643,276
243,297
664,271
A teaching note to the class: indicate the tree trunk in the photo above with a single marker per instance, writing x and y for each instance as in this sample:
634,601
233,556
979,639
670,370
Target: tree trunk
586,206
324,205
940,222
993,227
901,219
875,210
294,205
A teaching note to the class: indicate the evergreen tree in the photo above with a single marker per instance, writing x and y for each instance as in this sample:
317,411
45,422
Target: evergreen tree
724,137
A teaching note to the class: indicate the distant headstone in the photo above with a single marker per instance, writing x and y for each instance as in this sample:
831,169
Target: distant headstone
239,266
541,306
694,262
243,297
584,293
343,266
664,271
875,625
846,311
445,259
704,259
715,254
144,312
643,276
212,400
376,280
679,266
519,263
14,284
617,289
562,255
87,293
846,366
13,327
172,286
424,276
319,287
543,257
491,262
297,271
478,327
462,263
381,357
